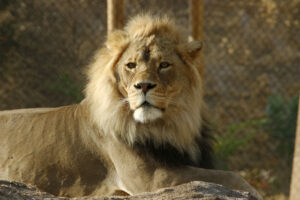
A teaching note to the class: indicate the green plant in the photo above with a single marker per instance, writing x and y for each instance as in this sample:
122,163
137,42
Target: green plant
281,124
235,138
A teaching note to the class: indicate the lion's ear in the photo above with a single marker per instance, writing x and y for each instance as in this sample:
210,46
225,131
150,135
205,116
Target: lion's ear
117,40
193,48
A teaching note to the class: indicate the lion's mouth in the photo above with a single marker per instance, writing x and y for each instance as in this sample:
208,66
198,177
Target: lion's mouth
147,112
147,104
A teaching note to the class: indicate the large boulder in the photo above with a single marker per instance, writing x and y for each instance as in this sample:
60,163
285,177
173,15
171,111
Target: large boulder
193,190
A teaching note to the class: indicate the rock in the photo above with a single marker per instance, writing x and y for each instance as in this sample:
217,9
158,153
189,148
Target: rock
192,190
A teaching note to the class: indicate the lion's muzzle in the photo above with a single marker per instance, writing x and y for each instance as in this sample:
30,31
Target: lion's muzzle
144,86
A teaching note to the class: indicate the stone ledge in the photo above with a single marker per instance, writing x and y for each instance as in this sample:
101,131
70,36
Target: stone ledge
193,190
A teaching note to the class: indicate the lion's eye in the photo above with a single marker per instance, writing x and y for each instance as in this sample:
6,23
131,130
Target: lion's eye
131,65
164,65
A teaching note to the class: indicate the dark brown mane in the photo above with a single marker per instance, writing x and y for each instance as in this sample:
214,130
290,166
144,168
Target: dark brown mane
168,155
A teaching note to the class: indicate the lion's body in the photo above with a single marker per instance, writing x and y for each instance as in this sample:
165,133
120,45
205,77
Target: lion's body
53,148
48,148
140,127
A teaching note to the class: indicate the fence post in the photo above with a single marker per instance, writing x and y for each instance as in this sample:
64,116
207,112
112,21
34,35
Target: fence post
115,15
196,22
295,182
196,18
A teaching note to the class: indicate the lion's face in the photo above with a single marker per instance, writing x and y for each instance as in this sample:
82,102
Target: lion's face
145,84
151,77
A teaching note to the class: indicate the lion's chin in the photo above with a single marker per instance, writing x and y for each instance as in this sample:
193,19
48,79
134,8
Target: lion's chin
146,114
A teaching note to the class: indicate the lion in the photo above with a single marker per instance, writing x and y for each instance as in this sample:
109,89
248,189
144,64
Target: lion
141,126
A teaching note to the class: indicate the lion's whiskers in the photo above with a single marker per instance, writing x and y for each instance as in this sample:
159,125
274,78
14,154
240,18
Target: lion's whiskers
163,99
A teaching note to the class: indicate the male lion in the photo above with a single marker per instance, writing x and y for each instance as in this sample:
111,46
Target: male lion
140,127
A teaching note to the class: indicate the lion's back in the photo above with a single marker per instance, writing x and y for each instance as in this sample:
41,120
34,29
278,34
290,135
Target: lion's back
45,147
30,139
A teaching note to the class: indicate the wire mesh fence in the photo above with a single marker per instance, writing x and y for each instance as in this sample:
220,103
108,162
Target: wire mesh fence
252,59
252,53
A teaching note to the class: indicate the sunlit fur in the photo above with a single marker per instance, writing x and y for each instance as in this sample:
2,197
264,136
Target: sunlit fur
110,100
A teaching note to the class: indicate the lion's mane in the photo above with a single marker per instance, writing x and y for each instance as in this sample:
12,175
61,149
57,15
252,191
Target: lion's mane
184,129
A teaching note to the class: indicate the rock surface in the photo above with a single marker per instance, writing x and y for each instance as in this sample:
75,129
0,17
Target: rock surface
192,190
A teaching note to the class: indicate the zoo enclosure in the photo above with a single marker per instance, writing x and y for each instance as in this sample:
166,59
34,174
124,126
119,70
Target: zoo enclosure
251,51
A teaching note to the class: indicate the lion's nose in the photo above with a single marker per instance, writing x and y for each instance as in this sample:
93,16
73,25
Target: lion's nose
144,86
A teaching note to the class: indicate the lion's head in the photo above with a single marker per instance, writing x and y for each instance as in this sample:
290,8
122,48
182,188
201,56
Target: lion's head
146,84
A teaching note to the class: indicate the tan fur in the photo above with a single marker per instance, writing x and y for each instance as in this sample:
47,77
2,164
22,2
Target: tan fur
87,149
114,116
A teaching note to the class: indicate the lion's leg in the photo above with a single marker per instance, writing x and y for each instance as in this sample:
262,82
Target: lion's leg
137,174
226,178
